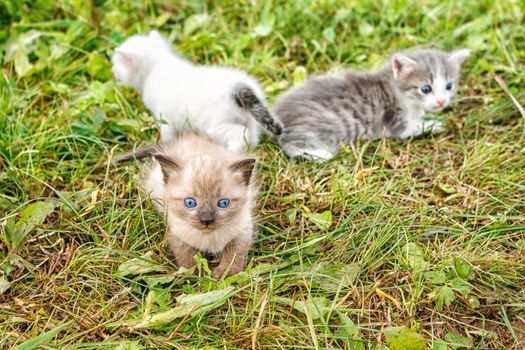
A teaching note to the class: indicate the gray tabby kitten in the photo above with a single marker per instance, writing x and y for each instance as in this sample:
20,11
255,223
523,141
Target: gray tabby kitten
390,102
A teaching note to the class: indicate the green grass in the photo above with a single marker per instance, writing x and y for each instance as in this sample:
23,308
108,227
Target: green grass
431,238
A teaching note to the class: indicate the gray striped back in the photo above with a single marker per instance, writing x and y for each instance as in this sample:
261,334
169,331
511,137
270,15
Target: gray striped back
327,110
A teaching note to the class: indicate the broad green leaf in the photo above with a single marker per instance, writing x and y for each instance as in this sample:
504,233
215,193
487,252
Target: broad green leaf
4,284
436,277
299,75
188,305
365,28
323,220
135,345
333,275
291,214
443,296
162,19
315,306
22,65
32,216
439,345
350,330
415,257
18,50
153,281
101,92
42,339
195,22
460,286
329,34
264,28
25,42
403,338
458,341
137,266
448,189
98,68
462,267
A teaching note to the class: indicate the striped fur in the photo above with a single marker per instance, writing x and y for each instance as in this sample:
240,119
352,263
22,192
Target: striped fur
246,99
327,110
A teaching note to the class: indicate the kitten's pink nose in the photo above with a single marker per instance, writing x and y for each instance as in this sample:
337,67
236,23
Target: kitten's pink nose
440,102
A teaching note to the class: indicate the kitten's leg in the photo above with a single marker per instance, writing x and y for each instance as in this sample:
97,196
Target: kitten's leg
434,126
233,257
235,137
183,252
306,147
166,132
415,127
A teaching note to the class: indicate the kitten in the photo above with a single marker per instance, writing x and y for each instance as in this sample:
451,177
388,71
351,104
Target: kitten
208,194
391,102
223,103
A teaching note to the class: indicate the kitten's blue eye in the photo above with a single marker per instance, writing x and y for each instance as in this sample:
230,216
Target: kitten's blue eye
449,86
223,203
190,202
426,89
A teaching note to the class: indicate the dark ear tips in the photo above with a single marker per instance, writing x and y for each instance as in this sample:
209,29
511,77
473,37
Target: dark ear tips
245,168
167,165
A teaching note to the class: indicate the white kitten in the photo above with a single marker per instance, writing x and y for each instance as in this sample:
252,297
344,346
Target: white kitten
222,103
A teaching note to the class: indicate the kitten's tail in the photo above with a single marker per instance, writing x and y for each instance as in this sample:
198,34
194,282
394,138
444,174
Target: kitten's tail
246,99
139,154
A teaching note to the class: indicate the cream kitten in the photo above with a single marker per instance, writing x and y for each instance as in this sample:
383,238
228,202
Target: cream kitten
223,103
208,194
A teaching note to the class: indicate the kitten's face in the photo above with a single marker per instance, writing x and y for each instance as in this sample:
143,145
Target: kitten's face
132,57
208,195
428,78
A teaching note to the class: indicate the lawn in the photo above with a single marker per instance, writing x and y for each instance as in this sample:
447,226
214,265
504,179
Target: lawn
392,244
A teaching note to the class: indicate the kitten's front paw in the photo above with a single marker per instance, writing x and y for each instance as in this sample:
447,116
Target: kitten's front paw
434,126
236,146
219,271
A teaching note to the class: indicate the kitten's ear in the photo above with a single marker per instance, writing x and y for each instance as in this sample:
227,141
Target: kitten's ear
245,169
402,64
128,60
167,165
457,57
156,36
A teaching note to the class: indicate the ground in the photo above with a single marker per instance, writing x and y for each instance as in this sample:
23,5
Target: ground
417,241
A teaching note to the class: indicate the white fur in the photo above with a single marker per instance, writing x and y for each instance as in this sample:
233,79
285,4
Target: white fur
184,95
435,101
215,241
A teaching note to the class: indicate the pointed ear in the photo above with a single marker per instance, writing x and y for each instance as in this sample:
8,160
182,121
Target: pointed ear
244,168
126,59
457,57
402,64
167,165
155,35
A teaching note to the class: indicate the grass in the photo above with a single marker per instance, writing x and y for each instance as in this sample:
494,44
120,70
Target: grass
428,233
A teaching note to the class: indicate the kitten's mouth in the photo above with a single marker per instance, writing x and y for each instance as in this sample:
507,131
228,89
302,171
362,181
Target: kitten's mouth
437,108
207,228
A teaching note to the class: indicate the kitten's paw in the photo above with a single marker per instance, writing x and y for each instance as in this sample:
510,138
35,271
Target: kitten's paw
317,155
434,126
237,146
219,271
